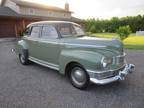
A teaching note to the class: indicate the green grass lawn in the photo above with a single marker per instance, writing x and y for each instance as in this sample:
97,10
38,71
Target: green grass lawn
132,42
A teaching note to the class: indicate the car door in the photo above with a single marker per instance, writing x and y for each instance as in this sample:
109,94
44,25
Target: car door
33,41
50,45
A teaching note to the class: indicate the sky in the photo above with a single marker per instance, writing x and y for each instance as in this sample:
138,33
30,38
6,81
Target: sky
102,9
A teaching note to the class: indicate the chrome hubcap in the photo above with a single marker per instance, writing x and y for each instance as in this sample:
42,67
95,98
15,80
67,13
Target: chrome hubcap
78,76
22,58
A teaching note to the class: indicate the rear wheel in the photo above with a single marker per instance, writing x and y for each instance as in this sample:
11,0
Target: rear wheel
78,77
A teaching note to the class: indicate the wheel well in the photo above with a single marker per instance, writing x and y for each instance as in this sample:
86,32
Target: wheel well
69,66
25,52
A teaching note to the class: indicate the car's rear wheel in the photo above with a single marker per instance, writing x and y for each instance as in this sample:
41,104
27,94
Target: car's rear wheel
23,59
78,77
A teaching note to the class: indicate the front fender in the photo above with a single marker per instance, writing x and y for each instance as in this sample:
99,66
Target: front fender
88,59
21,45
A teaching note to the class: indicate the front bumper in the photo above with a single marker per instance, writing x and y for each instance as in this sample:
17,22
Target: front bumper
129,68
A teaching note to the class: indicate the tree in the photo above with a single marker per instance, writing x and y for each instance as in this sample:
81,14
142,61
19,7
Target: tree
136,23
124,32
92,29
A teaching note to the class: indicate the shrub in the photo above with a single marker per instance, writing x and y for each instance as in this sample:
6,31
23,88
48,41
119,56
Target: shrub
123,31
88,33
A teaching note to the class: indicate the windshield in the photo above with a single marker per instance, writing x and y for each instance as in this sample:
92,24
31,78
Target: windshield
69,30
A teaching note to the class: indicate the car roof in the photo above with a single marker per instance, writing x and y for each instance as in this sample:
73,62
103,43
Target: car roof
52,22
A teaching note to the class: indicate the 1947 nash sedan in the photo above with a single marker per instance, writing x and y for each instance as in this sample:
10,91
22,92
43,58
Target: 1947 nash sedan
63,46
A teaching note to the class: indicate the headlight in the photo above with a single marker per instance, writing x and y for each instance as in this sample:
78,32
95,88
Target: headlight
105,61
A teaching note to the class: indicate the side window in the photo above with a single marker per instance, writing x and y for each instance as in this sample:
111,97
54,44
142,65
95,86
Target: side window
49,32
35,32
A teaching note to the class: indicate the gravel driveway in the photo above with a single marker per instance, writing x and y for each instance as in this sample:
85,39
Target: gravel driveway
34,86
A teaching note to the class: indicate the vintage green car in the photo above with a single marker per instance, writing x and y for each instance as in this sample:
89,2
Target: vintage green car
63,46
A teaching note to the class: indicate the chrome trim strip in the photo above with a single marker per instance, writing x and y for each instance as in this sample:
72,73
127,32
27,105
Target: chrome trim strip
43,41
44,63
56,43
81,45
93,71
86,45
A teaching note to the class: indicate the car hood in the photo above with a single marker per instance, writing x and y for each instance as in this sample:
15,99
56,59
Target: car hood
95,44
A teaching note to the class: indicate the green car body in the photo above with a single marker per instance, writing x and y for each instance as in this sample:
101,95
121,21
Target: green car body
101,58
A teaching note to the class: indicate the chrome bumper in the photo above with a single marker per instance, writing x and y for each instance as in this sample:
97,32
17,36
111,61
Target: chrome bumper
129,68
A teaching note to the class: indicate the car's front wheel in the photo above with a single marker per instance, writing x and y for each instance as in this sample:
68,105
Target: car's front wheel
78,77
23,59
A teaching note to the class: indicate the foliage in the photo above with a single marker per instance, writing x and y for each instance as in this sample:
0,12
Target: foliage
88,33
92,29
136,23
123,32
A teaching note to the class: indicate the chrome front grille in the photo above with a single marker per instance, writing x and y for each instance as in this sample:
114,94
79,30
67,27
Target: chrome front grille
119,59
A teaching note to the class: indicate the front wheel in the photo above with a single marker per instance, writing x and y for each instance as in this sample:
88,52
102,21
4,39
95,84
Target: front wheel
78,77
23,59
